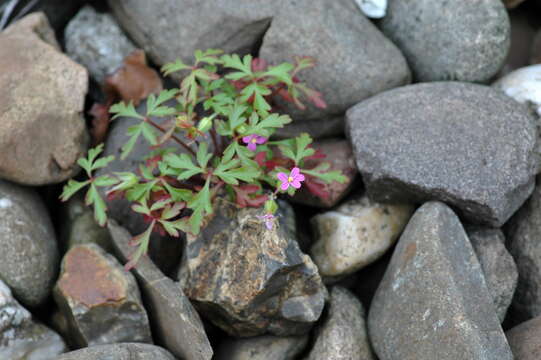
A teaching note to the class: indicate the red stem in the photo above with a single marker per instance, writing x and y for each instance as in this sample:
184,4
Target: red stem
182,143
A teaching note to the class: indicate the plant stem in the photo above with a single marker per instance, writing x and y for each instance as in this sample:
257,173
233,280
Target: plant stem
175,138
217,150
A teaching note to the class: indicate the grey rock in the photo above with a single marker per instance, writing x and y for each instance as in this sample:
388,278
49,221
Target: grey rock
343,335
175,322
464,144
21,338
500,270
318,129
262,348
523,85
29,257
129,351
524,340
450,40
96,41
249,280
433,301
99,299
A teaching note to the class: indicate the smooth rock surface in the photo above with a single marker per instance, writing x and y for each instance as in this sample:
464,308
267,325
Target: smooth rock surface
128,351
356,234
375,9
477,152
450,40
523,85
100,300
175,322
262,348
29,256
433,302
525,340
42,94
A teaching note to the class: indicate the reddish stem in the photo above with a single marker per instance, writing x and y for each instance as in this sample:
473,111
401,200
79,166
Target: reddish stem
175,138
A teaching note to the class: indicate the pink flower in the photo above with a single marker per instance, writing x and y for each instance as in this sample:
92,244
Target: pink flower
268,219
294,179
253,140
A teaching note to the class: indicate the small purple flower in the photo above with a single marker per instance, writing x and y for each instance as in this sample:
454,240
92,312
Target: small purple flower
294,179
253,140
268,219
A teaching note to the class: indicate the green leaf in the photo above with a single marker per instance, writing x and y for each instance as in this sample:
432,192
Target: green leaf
141,191
178,194
201,206
208,56
122,109
234,62
142,240
149,133
134,132
302,141
327,177
126,180
184,163
172,227
71,188
104,181
203,156
280,72
93,197
267,126
153,103
258,91
102,162
178,65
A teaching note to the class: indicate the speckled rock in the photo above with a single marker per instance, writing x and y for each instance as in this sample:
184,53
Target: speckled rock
101,301
318,129
42,95
129,351
523,85
525,340
248,280
96,41
29,256
450,40
21,338
498,266
262,348
36,23
478,152
343,334
433,302
175,322
356,234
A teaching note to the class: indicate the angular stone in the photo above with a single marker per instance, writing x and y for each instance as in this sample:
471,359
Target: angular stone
523,85
127,351
356,234
96,41
29,257
175,322
498,266
477,152
433,302
262,348
35,23
42,95
450,40
343,335
21,338
249,280
525,340
101,301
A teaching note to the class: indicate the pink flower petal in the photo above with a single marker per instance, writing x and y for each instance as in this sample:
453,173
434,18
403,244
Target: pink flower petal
282,176
284,185
299,177
269,223
296,184
261,139
251,146
246,139
294,172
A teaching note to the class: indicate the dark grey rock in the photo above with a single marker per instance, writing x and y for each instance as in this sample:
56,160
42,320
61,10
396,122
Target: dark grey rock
249,280
525,340
500,270
262,348
464,144
433,302
29,257
96,41
175,322
450,40
129,351
343,335
318,129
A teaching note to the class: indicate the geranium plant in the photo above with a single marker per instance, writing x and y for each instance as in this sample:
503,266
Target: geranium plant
223,124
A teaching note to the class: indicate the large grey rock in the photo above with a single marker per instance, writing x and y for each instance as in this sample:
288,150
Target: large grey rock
129,351
525,340
249,280
343,335
175,322
523,85
464,144
262,348
433,302
96,41
21,338
450,40
29,256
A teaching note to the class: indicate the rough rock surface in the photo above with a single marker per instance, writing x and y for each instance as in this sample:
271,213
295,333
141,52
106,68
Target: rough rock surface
450,40
29,256
343,335
100,300
356,234
523,85
42,94
433,302
96,41
500,270
525,340
175,322
20,337
477,152
318,129
262,348
249,280
126,351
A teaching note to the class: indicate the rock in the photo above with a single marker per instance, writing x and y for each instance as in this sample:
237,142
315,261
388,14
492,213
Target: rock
249,280
433,302
175,322
59,12
129,351
524,340
100,300
29,256
42,95
262,348
339,155
343,334
20,337
511,4
356,234
498,266
375,9
477,152
450,40
523,85
535,51
34,24
318,129
96,41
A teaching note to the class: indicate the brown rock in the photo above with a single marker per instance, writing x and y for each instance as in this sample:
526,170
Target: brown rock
36,23
525,340
262,348
130,351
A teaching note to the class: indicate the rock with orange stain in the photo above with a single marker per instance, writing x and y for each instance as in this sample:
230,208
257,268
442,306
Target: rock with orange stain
101,302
